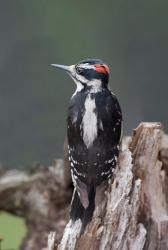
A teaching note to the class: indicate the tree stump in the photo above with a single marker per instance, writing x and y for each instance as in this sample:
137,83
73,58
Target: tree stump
131,214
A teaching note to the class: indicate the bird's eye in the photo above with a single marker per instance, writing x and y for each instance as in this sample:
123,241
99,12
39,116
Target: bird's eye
79,70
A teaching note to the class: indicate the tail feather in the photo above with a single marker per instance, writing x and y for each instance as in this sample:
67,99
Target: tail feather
77,211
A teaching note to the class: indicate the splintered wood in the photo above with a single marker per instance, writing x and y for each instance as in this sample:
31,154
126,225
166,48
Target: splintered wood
133,215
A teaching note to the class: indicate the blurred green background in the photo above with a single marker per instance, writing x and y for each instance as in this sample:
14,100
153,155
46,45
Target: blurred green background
131,36
12,231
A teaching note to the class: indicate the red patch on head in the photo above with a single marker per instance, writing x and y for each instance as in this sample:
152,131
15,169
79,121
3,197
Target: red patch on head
102,68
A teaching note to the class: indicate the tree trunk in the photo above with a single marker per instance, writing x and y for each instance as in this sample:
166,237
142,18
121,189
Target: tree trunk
131,214
42,197
134,213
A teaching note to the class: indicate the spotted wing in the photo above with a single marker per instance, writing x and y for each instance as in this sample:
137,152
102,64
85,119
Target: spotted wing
109,130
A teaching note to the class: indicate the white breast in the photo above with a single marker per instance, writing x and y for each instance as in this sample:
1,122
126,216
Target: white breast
89,122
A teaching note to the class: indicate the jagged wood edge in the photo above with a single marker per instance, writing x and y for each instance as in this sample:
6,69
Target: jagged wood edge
130,217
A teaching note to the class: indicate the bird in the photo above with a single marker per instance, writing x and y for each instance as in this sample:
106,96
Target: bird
94,132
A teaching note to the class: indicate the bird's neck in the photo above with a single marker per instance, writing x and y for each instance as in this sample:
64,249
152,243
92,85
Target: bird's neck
93,86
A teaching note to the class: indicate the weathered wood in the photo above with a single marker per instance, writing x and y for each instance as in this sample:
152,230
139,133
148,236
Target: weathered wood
133,214
146,145
41,196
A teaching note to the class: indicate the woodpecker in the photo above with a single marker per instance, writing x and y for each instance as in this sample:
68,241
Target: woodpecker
94,128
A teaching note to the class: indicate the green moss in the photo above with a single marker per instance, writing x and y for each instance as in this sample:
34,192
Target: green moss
12,231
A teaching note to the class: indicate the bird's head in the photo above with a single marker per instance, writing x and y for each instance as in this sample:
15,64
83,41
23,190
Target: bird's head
91,73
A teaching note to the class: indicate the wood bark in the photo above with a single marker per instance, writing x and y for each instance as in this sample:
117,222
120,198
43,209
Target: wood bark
131,213
41,196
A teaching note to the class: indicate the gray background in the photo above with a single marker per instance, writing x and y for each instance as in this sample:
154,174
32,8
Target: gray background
131,36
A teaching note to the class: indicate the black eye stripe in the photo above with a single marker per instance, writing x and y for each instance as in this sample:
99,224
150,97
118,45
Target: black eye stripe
79,70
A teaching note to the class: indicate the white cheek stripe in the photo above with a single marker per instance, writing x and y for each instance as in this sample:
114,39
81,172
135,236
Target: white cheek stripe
89,122
79,86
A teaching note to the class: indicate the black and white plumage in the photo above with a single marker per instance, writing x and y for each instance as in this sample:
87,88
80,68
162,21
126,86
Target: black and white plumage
94,127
